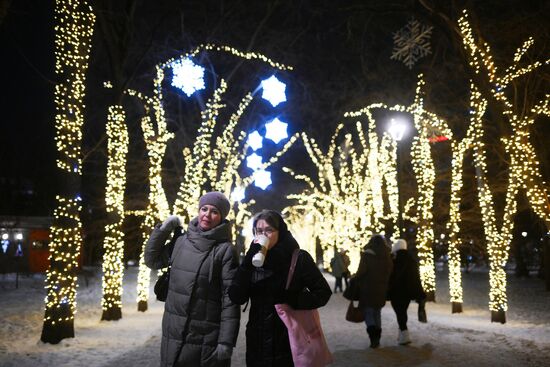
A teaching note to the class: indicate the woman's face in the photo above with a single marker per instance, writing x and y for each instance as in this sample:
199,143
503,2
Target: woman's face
209,217
262,227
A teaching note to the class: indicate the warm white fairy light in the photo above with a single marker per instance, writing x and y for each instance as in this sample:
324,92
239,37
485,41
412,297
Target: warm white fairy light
113,257
156,137
74,22
523,168
216,159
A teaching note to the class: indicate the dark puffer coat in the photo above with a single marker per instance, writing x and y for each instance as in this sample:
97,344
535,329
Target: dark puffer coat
267,343
405,282
197,304
373,274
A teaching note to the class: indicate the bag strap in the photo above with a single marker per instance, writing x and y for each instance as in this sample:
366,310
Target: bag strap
178,231
293,262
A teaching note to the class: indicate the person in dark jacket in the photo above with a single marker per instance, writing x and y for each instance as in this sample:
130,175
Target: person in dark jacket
200,323
337,267
372,276
267,342
404,286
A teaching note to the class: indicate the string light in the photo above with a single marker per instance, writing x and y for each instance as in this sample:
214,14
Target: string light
74,22
523,168
113,258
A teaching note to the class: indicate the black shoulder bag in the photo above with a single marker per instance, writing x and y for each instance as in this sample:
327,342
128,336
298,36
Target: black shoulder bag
161,286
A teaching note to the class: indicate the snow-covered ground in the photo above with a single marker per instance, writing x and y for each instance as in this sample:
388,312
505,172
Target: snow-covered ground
466,339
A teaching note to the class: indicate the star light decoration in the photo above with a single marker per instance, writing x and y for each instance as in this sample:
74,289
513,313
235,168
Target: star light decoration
188,76
411,43
262,179
238,194
255,140
254,161
273,90
276,130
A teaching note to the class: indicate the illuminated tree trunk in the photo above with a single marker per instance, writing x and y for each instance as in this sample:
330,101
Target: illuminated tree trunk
113,258
73,33
424,167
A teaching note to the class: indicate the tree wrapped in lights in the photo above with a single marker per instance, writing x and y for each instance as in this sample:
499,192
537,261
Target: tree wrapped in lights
213,160
523,169
345,202
113,264
156,136
73,32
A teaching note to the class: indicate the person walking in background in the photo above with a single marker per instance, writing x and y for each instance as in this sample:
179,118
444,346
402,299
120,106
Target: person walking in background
373,275
404,286
345,274
200,323
337,267
267,341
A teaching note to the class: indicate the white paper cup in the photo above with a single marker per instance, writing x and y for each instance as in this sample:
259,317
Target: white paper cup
259,258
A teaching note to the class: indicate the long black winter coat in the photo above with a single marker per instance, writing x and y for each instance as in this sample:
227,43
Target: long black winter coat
405,282
267,343
373,275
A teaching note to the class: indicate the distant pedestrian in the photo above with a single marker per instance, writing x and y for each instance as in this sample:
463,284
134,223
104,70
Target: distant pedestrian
345,274
337,267
373,275
404,286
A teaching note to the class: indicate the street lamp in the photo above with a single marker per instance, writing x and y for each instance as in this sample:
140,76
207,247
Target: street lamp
397,129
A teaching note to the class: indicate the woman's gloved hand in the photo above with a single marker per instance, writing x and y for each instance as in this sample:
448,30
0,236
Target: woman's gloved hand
170,223
247,261
224,351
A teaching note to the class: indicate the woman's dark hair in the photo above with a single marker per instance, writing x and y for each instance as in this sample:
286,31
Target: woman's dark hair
376,241
270,216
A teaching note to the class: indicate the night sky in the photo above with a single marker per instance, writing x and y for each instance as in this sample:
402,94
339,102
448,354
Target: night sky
27,148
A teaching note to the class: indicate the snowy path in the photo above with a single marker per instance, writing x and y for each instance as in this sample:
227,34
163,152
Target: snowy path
467,339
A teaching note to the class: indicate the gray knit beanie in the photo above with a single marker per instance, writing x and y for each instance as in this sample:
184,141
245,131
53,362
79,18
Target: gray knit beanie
217,199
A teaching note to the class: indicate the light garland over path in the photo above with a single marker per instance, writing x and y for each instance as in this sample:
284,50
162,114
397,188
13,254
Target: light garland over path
523,169
74,22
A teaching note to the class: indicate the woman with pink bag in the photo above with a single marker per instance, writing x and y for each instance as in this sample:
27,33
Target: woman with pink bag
283,285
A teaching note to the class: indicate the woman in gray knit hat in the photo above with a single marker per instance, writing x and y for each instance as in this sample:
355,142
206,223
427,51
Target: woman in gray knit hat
200,323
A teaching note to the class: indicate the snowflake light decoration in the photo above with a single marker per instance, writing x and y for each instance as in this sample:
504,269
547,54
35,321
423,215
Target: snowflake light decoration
273,90
411,43
187,76
276,130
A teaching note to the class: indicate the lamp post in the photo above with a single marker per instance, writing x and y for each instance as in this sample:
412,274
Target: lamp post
397,130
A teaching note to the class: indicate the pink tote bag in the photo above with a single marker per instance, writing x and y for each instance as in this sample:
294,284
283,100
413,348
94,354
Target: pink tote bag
307,340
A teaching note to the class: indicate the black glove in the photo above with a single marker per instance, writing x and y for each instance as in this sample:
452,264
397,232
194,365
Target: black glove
247,261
